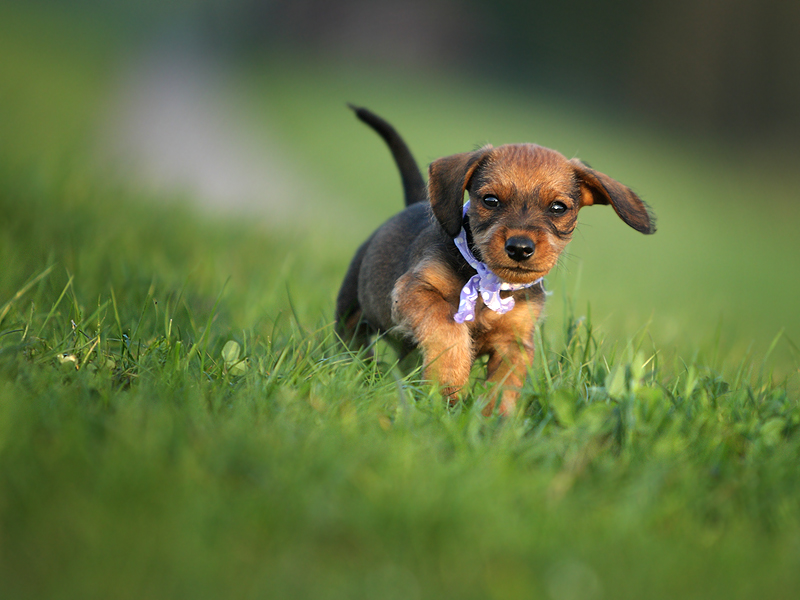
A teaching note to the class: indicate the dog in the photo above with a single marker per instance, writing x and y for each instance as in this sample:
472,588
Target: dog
461,279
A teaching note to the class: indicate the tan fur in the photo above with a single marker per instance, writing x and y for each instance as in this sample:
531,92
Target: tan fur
422,307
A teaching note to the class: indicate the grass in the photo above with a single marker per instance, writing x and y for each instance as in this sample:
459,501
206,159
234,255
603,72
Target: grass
176,420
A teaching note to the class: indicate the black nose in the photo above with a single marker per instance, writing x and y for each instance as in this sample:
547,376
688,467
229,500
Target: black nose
519,248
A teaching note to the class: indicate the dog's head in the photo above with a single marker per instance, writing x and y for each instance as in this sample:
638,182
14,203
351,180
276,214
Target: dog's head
524,202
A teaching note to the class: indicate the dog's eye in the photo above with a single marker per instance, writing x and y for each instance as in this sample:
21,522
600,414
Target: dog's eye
558,208
491,202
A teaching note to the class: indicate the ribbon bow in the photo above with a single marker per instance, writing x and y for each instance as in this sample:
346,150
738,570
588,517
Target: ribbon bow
484,281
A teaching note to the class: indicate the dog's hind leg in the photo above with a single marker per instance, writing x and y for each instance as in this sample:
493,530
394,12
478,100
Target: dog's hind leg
350,327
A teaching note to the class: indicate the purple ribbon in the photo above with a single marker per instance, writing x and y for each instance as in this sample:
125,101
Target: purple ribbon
484,282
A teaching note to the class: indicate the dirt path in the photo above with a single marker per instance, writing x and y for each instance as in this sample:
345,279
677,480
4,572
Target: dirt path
173,125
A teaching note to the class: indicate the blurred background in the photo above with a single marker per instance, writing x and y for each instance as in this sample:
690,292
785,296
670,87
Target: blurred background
238,107
728,68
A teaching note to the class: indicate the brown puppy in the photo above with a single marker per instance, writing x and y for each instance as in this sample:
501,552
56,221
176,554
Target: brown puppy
410,279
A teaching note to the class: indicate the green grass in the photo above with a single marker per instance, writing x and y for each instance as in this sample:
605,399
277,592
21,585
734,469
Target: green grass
144,455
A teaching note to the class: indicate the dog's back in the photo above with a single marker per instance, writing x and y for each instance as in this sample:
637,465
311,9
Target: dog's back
360,321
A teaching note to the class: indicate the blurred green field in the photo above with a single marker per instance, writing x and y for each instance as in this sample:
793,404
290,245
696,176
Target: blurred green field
723,264
143,454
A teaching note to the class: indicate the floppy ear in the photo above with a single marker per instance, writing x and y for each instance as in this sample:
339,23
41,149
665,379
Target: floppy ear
598,188
449,177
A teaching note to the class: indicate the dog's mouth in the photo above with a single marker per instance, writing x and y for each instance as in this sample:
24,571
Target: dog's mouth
514,271
517,274
522,271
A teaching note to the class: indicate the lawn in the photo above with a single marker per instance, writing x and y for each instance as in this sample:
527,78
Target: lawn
176,419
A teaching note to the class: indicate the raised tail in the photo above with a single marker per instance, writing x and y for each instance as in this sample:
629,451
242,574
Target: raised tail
414,187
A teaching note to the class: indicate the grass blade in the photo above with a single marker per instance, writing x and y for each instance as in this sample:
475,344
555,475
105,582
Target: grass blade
23,290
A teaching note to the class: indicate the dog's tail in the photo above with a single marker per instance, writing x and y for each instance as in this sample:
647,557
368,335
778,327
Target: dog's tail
414,187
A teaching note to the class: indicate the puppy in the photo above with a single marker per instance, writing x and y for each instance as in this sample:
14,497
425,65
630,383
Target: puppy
462,279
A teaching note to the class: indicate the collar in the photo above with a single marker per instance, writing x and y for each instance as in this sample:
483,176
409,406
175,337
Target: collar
484,282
